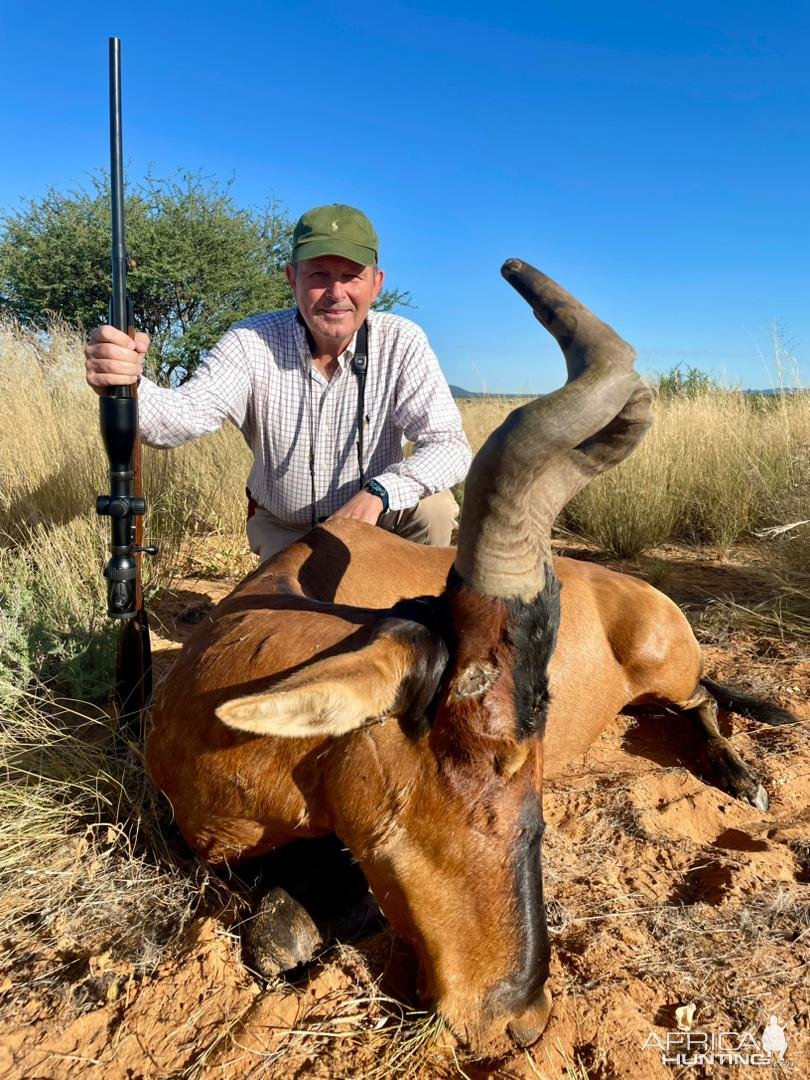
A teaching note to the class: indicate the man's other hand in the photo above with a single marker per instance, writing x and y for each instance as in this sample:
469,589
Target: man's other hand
363,507
112,358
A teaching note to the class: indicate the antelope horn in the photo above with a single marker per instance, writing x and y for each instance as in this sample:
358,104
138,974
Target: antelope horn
547,450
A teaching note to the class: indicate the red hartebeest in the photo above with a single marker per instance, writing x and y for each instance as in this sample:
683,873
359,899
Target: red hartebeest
411,699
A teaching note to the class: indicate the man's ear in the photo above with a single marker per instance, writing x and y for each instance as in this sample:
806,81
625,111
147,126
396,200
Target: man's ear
396,674
289,270
378,283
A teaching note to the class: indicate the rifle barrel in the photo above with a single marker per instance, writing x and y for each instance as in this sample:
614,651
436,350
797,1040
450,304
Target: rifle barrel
125,504
119,315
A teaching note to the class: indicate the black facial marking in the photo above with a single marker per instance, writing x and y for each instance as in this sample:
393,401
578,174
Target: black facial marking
533,631
522,987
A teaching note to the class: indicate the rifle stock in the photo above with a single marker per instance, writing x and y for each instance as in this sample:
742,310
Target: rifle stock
125,505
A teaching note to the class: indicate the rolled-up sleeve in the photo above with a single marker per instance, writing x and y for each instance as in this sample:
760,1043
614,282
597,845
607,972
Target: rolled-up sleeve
219,390
427,415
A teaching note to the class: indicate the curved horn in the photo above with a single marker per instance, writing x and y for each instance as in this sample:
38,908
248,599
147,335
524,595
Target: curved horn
547,450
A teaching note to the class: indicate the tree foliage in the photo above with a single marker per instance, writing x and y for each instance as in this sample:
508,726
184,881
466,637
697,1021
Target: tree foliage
199,263
684,381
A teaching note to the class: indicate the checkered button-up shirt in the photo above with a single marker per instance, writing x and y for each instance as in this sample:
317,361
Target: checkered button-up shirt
260,376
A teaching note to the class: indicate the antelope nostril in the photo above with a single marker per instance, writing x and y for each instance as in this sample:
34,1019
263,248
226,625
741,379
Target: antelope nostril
530,1025
524,1036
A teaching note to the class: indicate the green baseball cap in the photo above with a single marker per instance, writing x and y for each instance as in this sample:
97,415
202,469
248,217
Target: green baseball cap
335,230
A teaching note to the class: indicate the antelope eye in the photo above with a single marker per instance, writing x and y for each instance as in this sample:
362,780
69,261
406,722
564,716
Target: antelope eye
475,681
511,758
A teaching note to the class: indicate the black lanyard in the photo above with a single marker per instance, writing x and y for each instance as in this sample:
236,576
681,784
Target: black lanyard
359,366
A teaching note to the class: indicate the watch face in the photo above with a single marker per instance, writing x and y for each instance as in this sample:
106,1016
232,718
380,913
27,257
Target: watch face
377,489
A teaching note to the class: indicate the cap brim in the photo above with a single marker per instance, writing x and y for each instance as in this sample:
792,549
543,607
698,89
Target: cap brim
313,249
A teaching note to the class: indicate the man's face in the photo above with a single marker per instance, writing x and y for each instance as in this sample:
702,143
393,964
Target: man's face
334,296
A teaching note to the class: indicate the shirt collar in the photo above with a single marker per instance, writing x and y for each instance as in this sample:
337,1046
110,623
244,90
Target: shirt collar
302,343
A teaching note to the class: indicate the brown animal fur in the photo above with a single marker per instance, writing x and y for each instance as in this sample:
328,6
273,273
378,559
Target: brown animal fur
293,624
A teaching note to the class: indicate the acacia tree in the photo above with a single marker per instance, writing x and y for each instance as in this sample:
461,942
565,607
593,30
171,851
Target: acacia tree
199,263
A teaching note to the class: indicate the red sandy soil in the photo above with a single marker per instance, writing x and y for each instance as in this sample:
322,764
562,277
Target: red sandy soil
661,891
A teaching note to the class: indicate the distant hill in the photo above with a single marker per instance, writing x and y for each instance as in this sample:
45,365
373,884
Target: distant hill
460,392
788,391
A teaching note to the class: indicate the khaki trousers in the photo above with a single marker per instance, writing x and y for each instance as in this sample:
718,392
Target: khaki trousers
430,522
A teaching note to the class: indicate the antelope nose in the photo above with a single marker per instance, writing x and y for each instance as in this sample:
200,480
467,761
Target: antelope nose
530,1025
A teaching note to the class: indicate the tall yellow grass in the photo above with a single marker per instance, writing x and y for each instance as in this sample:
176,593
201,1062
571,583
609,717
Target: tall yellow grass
715,469
84,860
52,463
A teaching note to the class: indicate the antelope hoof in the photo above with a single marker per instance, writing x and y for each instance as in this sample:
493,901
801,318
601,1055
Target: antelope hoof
734,776
760,799
281,937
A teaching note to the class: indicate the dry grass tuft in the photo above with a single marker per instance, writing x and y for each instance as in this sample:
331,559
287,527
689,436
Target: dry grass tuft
786,615
784,612
85,864
86,861
714,469
52,462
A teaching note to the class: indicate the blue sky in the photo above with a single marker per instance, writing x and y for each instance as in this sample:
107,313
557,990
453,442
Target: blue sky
654,161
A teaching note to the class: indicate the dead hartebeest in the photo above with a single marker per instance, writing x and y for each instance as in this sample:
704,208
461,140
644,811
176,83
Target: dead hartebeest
411,699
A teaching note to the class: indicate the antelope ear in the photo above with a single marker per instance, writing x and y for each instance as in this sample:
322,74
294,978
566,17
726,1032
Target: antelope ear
397,673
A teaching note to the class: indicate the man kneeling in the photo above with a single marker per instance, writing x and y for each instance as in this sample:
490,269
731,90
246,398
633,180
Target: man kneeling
324,394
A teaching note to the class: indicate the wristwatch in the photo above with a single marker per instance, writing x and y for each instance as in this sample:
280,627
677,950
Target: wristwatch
379,491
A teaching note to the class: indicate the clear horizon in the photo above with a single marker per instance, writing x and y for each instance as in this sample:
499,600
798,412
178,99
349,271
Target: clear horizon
654,162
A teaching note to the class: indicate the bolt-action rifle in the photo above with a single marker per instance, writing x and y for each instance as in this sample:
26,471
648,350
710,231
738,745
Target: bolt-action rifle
125,505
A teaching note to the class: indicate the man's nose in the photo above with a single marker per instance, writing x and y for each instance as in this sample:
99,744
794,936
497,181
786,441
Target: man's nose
336,290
